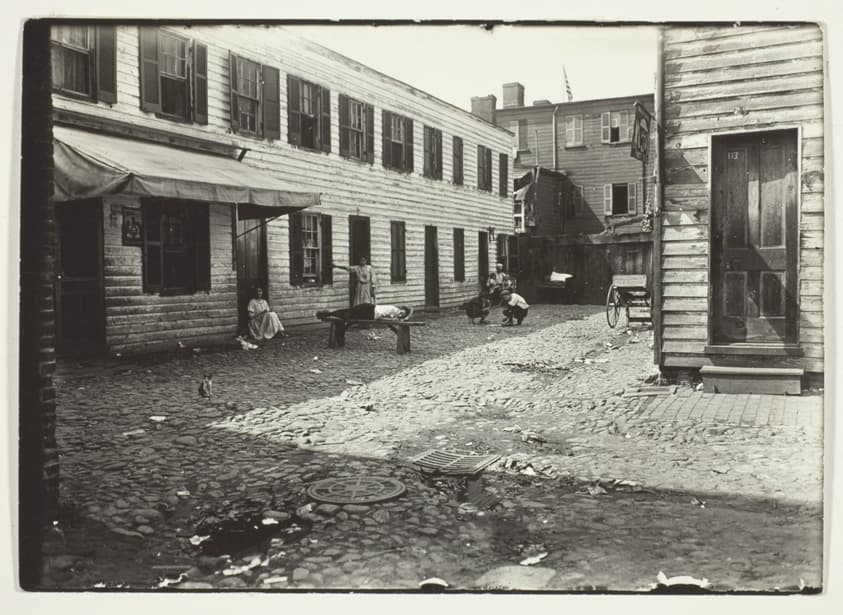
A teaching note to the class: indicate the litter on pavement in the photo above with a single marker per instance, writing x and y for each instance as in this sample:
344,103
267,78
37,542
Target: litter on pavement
533,559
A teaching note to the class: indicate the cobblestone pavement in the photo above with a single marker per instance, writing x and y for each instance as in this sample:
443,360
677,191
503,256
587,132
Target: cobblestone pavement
604,480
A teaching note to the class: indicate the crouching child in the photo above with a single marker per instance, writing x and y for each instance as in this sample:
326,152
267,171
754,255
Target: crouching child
514,307
478,307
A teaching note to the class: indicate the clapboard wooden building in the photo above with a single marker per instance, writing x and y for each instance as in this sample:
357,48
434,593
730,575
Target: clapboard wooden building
584,210
194,164
741,229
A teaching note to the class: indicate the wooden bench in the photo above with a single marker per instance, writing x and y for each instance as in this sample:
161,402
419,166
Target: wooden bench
401,328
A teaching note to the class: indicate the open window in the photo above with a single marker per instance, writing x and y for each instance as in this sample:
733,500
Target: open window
615,127
308,114
620,199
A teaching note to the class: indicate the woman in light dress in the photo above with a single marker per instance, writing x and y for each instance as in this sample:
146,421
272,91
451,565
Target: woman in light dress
264,324
365,281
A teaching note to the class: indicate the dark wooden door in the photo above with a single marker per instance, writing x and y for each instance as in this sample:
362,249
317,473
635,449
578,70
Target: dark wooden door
359,245
431,268
251,265
482,257
754,238
79,296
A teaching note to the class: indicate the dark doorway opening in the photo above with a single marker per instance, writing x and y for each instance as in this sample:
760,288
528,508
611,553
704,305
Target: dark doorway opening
431,268
482,257
251,266
359,246
79,294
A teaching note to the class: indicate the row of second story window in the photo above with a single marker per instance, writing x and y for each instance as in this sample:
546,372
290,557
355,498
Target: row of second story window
618,199
174,85
615,127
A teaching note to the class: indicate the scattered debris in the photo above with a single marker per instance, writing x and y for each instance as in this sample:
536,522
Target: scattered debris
515,428
100,585
373,337
180,345
134,432
158,418
533,559
596,489
166,581
235,570
369,407
663,579
315,358
353,382
720,469
183,493
699,387
696,502
532,436
197,540
315,371
273,580
434,583
245,344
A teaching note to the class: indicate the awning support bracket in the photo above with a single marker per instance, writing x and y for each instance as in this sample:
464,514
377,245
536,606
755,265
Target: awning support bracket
264,222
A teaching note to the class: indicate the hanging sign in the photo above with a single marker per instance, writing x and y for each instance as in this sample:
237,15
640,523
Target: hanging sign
641,133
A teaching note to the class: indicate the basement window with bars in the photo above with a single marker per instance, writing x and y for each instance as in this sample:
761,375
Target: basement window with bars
620,199
84,61
615,127
308,114
176,247
174,76
310,249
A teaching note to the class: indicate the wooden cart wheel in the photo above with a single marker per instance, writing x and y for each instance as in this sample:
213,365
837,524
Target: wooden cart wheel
613,306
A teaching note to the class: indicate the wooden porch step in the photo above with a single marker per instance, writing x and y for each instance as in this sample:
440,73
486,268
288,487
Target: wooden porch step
760,380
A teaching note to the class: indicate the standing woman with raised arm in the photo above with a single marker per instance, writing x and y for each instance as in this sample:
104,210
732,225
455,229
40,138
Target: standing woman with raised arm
364,275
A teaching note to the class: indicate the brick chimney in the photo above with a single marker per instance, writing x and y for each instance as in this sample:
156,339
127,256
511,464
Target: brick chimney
513,95
484,106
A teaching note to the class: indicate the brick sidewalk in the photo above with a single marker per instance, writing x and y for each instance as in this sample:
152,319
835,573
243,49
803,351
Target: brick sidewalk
741,409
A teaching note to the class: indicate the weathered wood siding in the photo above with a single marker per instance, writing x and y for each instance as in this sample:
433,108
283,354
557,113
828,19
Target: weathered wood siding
732,79
137,321
348,187
589,165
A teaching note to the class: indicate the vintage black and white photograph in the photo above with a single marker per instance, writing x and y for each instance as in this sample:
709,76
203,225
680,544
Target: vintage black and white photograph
470,306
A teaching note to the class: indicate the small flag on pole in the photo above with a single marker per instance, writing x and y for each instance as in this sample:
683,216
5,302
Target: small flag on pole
567,85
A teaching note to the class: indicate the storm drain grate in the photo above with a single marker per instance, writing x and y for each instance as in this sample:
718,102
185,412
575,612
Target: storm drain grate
356,490
453,463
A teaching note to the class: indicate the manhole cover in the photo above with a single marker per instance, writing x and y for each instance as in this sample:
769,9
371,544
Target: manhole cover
453,463
355,490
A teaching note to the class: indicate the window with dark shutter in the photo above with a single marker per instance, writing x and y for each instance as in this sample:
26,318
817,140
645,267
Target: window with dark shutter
432,153
503,175
176,247
296,251
459,255
484,168
245,83
84,61
327,250
458,173
271,101
173,75
397,142
308,114
200,83
398,255
106,61
356,131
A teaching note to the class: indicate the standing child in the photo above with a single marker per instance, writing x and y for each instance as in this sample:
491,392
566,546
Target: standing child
514,306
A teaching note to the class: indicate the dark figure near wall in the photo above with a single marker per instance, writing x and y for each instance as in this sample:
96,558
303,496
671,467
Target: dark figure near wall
478,307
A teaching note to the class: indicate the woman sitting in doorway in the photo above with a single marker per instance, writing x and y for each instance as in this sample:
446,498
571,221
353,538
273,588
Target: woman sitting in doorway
263,322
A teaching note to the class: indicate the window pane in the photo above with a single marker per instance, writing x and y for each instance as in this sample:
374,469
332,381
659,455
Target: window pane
173,55
74,36
306,98
247,78
248,114
174,98
71,70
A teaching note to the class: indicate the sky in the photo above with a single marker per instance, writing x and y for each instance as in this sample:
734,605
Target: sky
455,63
